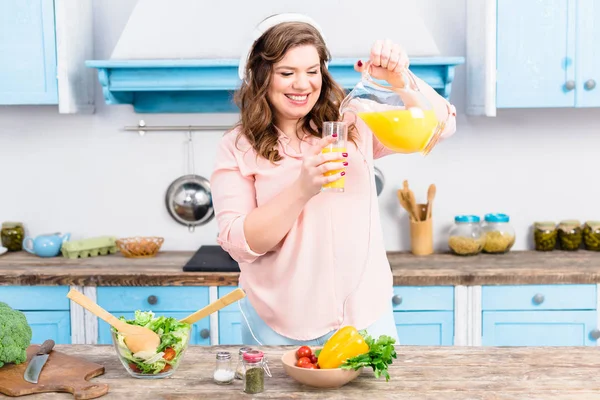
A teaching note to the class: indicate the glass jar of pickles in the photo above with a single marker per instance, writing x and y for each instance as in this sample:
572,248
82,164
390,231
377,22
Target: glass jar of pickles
12,235
545,236
466,237
570,235
499,234
591,235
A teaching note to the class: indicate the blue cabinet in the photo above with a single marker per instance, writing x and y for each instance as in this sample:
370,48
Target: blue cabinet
547,53
177,302
539,315
230,319
424,315
28,73
46,308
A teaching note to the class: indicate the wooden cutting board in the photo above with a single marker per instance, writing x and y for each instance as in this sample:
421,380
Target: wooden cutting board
62,373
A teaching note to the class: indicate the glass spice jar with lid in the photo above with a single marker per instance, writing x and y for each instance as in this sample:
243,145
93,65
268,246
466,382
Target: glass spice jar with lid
466,237
591,235
545,236
223,373
239,371
499,234
254,372
12,235
570,235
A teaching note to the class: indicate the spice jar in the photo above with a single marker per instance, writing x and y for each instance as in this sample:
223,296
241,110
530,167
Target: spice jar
569,235
499,234
591,235
12,235
239,371
254,373
544,236
466,237
223,373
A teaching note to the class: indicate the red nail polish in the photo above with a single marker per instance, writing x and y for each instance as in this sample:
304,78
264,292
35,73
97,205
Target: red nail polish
345,164
344,154
334,134
359,63
343,173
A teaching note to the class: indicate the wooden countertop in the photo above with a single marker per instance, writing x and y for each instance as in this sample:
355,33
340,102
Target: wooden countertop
441,373
517,267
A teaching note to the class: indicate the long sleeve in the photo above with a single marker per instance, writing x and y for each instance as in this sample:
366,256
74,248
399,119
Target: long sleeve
234,197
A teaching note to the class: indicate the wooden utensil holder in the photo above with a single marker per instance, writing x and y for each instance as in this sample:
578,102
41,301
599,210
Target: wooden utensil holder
421,233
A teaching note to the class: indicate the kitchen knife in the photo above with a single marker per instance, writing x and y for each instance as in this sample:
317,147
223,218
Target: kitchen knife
32,373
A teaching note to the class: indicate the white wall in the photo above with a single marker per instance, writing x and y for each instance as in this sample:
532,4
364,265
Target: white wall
84,175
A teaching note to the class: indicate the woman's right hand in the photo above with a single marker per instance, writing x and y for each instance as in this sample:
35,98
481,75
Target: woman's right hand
315,164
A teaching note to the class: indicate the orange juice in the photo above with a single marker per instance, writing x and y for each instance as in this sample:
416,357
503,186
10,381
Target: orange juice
339,184
404,131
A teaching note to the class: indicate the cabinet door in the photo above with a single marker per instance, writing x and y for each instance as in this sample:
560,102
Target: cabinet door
53,325
535,53
27,52
230,319
425,328
200,330
538,328
588,54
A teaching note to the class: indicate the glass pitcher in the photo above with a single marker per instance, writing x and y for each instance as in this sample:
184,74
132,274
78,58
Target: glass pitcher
401,118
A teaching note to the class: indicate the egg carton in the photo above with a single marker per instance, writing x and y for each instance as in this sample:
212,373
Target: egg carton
92,247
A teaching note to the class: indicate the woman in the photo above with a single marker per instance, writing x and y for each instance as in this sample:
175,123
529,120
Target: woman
310,261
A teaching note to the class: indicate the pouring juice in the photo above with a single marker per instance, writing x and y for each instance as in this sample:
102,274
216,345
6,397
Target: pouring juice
404,131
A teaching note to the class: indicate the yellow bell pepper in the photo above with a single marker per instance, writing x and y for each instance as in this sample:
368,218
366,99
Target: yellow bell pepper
346,343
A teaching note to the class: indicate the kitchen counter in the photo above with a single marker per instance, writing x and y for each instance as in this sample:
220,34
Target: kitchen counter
441,373
517,267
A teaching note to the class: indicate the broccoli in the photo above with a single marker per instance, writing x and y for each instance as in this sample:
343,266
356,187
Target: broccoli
15,335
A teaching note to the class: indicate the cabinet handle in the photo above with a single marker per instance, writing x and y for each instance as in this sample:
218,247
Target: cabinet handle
152,299
595,334
204,333
538,299
397,300
570,85
589,84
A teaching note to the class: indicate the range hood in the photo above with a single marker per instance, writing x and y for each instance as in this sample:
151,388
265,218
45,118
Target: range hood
207,85
190,64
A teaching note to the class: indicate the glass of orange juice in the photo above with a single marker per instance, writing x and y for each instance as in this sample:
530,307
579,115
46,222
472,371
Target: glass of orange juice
340,131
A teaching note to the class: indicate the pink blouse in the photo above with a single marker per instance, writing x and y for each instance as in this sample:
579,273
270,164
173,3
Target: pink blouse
331,269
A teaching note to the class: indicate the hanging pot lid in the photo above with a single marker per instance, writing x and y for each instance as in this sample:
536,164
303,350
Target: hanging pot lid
189,201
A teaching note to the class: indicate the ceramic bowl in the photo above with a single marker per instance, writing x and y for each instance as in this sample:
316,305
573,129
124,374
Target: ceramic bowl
3,250
318,378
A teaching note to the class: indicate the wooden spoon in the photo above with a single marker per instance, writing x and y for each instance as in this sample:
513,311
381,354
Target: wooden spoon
405,203
224,301
137,338
430,196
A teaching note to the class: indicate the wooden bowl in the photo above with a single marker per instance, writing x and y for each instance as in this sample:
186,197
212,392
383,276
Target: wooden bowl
140,246
318,378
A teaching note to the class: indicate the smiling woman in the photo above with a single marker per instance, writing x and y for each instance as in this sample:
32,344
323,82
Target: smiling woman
311,261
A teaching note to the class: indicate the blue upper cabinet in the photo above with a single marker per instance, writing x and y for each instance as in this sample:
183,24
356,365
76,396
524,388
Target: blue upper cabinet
587,67
532,54
536,53
28,52
43,45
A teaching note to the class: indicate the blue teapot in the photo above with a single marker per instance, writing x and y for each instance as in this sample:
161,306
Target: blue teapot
47,245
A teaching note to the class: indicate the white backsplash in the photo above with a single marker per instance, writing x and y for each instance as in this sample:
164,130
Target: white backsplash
83,174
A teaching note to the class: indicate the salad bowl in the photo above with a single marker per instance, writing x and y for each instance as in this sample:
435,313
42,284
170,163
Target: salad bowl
162,363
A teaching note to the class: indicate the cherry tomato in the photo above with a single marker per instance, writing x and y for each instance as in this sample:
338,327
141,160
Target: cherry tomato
166,368
309,366
313,359
302,361
134,367
169,354
304,351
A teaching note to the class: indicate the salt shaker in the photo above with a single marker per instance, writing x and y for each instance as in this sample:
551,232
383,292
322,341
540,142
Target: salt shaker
239,372
223,373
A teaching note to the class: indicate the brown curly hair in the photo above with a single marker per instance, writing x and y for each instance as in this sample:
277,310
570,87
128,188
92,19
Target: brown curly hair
256,120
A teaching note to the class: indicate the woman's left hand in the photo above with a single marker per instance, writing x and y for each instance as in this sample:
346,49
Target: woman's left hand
388,60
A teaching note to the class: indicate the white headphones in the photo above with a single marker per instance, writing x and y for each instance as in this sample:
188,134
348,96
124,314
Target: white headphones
265,25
